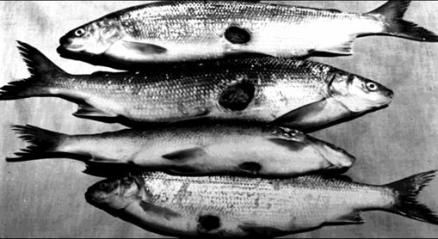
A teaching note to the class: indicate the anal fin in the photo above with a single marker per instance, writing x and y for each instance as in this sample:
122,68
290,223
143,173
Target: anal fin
344,49
258,231
89,112
351,218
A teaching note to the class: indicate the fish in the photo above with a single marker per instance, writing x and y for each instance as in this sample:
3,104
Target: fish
189,148
304,95
225,206
174,31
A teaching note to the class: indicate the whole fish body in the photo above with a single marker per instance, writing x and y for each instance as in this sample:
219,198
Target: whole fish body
307,95
191,30
239,207
194,149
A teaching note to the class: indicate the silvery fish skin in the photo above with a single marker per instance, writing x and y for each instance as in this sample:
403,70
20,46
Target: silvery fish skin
194,149
238,207
303,94
171,31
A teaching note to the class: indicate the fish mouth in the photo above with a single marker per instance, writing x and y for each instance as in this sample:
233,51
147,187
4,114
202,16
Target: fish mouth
68,48
66,45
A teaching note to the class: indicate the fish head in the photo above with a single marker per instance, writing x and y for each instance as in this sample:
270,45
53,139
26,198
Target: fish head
335,157
358,94
90,39
348,96
338,158
114,193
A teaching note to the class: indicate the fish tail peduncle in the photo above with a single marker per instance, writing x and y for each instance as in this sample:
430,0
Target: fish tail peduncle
41,142
42,71
392,13
406,191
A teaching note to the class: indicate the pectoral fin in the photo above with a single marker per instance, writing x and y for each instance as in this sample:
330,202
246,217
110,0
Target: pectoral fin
185,154
303,113
352,218
89,112
164,212
143,48
238,96
291,145
314,116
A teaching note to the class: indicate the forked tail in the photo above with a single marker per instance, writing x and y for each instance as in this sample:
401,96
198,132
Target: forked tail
42,71
407,191
392,13
41,142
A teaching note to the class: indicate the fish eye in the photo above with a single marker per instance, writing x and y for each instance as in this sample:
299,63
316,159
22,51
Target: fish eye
79,32
371,86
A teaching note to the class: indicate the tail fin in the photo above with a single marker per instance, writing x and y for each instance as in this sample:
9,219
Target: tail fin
41,70
392,13
406,202
42,142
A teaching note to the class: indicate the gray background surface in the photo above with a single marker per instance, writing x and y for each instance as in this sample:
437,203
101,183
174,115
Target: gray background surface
45,198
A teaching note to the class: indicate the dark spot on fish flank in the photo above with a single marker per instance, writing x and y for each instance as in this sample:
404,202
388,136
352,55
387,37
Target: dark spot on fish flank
251,167
238,96
166,213
209,222
237,35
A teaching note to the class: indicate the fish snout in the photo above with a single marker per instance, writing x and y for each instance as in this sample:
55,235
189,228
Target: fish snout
65,40
389,93
61,50
69,45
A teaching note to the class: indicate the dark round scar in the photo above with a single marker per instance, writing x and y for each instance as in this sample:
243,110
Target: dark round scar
209,222
238,96
237,35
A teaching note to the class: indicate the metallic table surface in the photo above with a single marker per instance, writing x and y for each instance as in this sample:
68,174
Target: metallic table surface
45,198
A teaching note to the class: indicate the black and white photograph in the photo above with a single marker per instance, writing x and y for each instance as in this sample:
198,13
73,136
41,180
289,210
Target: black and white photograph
219,119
